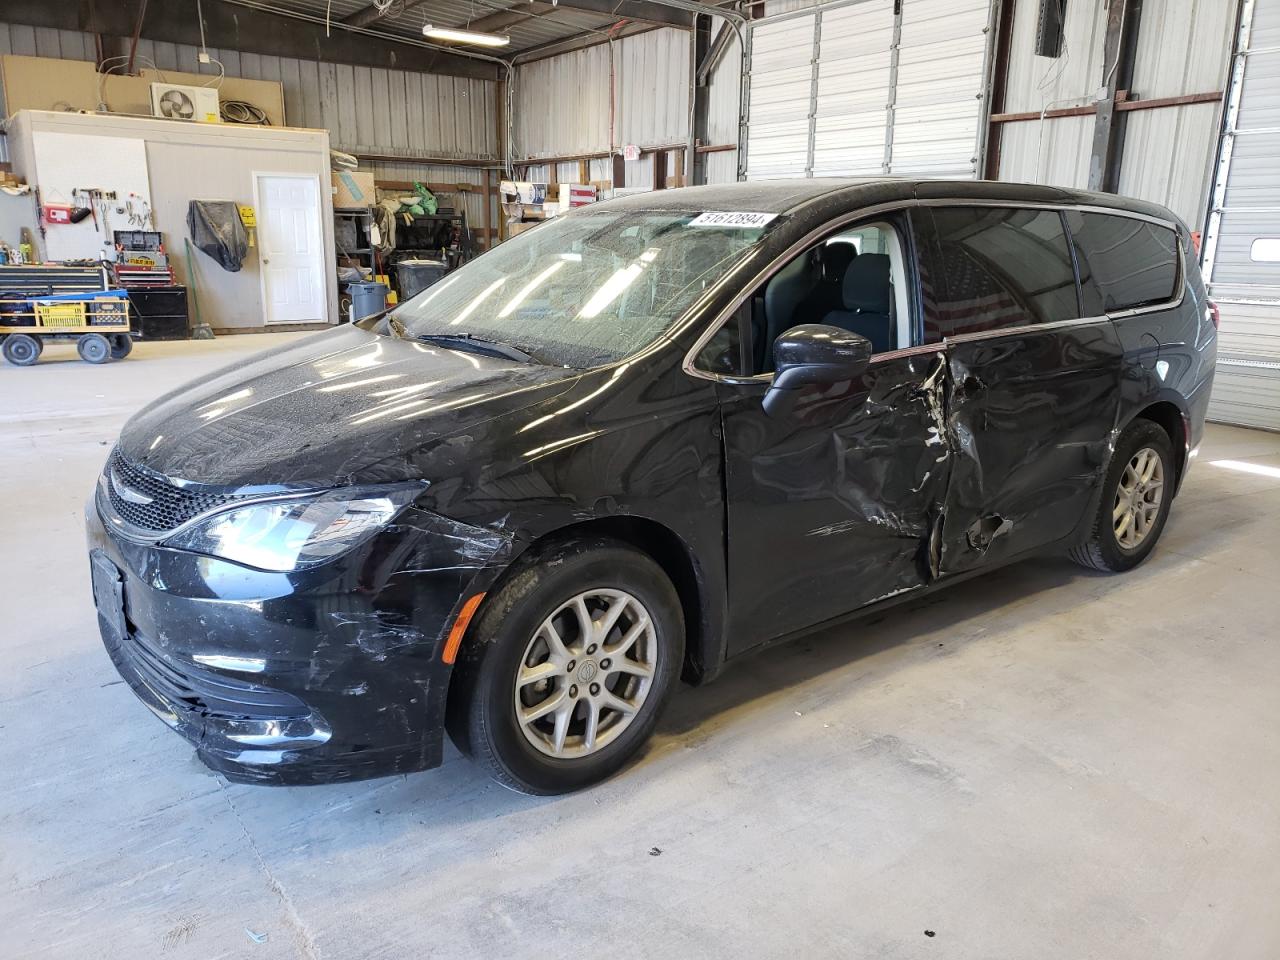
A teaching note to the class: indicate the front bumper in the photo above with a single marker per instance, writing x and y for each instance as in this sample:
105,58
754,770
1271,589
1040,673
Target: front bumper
321,676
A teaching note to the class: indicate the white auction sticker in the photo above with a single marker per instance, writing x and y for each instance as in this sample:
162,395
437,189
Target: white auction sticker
739,219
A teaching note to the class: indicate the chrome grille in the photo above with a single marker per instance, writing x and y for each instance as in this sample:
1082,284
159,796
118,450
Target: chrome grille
151,503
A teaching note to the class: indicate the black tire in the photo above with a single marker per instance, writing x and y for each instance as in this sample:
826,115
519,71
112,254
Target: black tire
482,717
121,345
94,348
1102,550
21,349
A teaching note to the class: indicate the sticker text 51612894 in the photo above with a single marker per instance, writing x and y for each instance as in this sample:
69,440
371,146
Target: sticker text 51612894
740,219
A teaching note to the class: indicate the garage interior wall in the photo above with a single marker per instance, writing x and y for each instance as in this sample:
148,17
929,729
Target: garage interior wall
1183,48
393,113
185,161
562,103
723,98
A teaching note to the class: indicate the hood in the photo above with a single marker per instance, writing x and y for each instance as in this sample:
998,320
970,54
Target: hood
346,406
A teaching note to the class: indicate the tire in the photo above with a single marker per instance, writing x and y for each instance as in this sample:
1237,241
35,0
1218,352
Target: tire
1105,548
121,345
510,635
94,348
21,349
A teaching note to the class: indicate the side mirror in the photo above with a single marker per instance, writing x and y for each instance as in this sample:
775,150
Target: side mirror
813,354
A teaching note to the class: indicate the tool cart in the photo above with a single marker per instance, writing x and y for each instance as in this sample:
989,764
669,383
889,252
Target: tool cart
98,322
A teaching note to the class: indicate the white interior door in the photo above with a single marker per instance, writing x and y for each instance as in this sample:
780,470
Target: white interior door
292,244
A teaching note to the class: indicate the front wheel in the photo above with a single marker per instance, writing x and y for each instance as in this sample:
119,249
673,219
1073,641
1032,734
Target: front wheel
1135,500
22,349
568,667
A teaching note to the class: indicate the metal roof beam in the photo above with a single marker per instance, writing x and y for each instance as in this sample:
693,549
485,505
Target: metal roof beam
642,11
371,14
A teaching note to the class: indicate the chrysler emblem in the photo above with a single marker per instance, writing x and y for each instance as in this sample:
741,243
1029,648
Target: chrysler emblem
128,493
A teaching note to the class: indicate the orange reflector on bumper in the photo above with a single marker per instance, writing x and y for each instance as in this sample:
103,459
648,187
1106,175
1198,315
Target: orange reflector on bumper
452,644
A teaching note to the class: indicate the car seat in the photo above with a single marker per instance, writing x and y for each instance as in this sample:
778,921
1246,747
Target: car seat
868,301
782,296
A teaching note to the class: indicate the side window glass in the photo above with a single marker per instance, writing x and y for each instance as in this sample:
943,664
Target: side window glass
854,279
722,354
997,267
1124,263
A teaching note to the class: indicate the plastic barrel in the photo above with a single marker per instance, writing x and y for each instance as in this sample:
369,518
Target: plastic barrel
414,276
367,297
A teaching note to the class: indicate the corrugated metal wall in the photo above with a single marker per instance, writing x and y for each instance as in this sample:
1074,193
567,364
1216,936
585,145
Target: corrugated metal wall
1182,48
365,110
1053,151
724,88
562,103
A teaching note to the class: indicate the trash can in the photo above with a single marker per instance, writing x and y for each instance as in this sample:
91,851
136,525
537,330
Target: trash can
414,276
367,298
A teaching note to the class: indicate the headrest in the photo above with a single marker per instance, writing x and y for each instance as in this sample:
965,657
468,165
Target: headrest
866,284
836,258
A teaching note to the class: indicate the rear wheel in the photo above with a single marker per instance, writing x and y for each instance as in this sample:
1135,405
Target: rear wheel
568,667
22,349
94,348
121,345
1135,501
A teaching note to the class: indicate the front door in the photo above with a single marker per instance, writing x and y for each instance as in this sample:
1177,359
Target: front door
834,505
292,245
837,503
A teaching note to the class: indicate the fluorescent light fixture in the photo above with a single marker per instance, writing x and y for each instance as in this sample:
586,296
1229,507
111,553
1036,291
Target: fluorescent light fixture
465,36
1244,466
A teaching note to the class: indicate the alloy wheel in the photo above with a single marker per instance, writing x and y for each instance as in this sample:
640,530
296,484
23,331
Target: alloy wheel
1138,498
585,673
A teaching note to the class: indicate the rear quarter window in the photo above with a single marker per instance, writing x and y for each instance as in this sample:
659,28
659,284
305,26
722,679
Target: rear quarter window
1124,263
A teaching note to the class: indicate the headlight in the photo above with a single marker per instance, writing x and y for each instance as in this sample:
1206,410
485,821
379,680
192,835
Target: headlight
294,534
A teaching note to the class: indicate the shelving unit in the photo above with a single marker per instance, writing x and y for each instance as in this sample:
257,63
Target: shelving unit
357,222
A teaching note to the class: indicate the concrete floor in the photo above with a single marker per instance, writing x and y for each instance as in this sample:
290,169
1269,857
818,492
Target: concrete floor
1042,763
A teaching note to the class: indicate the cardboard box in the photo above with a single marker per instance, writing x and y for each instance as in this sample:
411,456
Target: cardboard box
514,229
530,211
576,195
353,188
522,191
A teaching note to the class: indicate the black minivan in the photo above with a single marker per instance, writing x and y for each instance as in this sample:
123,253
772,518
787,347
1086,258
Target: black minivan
630,444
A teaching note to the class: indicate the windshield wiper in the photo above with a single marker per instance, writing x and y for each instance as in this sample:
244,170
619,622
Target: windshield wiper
469,341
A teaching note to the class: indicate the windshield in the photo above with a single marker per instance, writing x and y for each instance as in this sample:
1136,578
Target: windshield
584,289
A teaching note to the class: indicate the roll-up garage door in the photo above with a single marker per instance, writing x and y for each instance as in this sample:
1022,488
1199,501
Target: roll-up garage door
1242,243
887,88
782,62
855,69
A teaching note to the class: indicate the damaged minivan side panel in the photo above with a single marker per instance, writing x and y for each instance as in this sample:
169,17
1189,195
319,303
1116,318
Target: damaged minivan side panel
1031,417
1032,385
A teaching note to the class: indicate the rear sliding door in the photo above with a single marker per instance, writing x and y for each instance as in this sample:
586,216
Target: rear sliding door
1033,382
